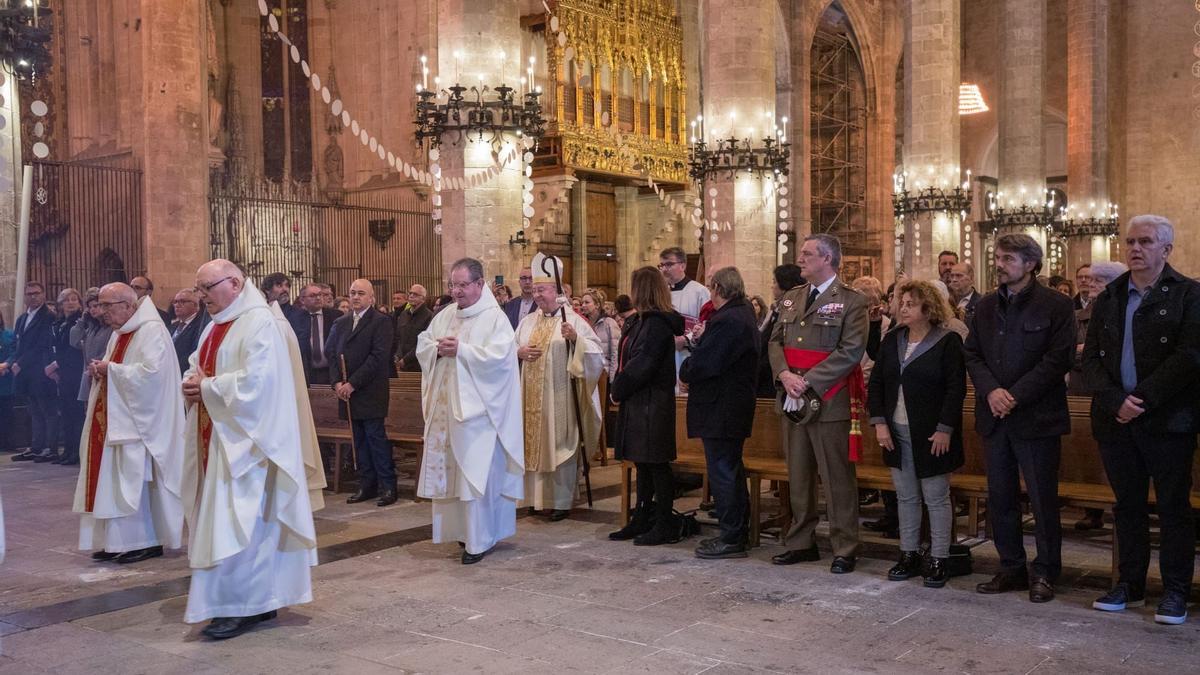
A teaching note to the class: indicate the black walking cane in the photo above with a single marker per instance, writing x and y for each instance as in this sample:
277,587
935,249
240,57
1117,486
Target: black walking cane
582,450
349,417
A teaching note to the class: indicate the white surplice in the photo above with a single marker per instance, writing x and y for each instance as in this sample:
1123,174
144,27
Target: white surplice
474,461
310,448
252,538
137,501
552,461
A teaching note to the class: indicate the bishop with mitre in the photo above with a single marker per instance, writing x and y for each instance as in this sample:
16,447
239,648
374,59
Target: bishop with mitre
474,459
128,491
245,486
561,363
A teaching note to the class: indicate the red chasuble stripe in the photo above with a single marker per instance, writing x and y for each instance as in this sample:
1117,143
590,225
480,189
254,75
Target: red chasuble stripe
208,363
803,359
99,427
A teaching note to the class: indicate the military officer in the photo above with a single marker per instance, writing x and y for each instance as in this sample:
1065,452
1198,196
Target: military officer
815,351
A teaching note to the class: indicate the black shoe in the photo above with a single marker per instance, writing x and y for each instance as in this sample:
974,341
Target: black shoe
843,564
1172,610
74,461
717,549
46,455
908,567
387,498
935,573
1093,519
472,558
661,533
1121,596
140,555
640,522
362,496
810,554
1041,590
559,514
867,497
1003,583
61,459
223,628
101,556
26,456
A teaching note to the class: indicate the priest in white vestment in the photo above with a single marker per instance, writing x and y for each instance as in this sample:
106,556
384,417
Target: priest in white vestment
561,362
128,490
474,459
245,487
314,469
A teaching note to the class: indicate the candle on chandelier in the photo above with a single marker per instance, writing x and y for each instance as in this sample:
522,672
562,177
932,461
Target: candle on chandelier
424,73
457,66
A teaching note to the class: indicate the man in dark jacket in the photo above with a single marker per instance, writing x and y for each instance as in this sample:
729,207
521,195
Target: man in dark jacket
786,278
34,342
312,325
409,324
1019,349
189,322
720,374
1141,361
364,339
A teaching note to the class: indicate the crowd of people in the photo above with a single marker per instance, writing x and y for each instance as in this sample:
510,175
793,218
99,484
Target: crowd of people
514,395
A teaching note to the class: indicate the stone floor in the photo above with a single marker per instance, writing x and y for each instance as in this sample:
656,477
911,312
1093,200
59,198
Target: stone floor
558,598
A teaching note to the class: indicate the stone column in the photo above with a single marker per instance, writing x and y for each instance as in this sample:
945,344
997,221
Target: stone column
932,53
579,237
10,191
1022,57
174,142
739,100
1087,122
479,221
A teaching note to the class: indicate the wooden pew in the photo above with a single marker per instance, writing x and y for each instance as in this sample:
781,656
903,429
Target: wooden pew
404,423
1082,481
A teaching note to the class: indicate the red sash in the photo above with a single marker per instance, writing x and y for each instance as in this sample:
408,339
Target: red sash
99,429
208,363
803,359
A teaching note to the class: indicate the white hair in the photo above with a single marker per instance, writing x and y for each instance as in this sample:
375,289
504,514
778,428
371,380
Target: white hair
1106,271
941,288
1163,228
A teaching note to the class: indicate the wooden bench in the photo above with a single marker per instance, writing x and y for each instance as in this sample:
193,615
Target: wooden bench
1082,481
405,425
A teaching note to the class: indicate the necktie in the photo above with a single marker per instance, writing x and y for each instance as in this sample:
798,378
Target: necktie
354,325
812,297
315,342
178,329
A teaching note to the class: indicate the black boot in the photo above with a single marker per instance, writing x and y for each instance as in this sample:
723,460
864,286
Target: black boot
665,531
935,574
908,567
640,522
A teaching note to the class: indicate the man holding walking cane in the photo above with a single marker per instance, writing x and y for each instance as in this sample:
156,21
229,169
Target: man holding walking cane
361,344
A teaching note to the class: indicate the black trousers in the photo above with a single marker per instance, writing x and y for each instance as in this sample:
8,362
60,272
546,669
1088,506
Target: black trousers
727,482
43,417
1036,460
656,483
1132,458
376,469
73,411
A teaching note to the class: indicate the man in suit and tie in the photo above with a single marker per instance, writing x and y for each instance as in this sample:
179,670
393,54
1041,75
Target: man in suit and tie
143,287
188,324
364,338
27,364
312,325
412,321
517,308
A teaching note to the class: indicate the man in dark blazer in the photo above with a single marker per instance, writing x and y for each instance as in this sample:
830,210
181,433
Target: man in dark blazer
364,339
962,289
1020,347
312,325
721,374
1141,360
190,320
517,308
409,324
34,343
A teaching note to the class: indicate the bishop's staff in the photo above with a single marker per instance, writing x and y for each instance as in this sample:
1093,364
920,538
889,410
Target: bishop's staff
562,302
349,418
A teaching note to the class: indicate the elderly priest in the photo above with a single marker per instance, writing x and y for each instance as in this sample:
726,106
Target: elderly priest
245,488
474,459
561,362
128,492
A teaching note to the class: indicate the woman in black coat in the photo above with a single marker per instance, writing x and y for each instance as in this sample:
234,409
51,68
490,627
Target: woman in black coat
915,399
721,375
644,387
67,369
